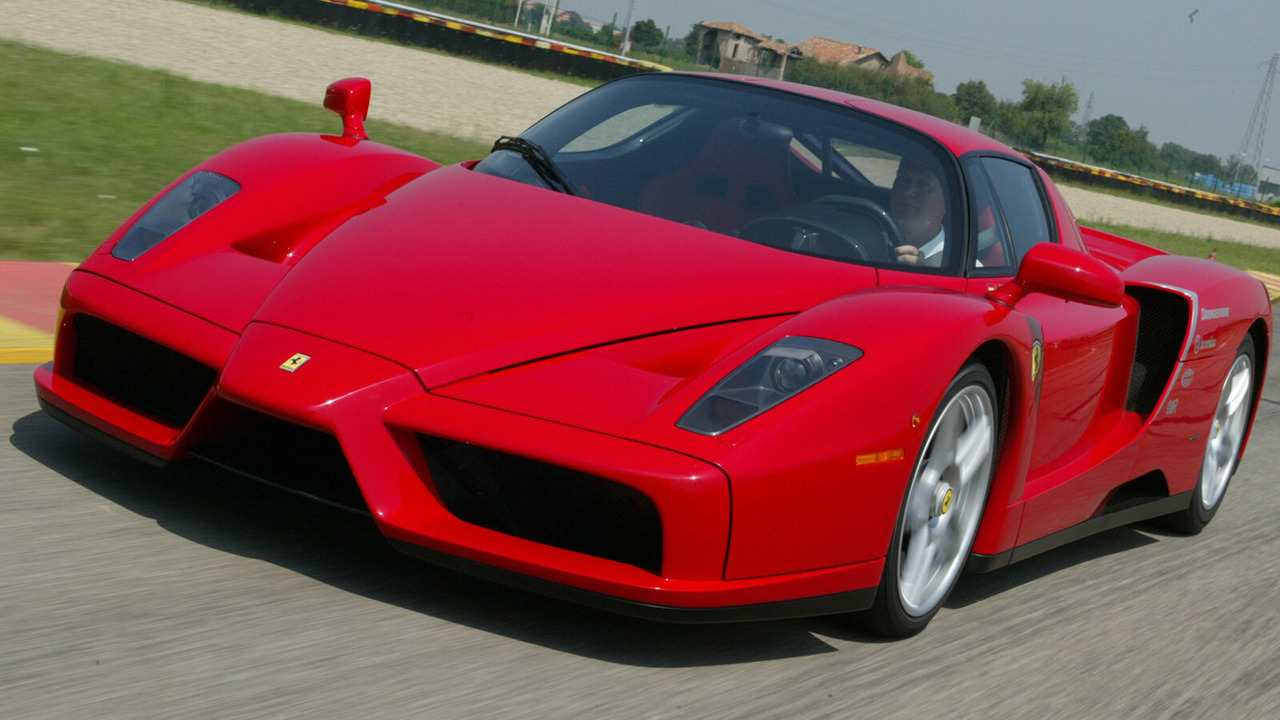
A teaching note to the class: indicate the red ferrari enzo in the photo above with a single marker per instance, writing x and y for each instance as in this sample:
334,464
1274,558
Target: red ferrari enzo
694,348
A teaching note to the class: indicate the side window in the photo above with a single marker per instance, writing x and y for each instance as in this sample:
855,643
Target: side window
993,253
1020,201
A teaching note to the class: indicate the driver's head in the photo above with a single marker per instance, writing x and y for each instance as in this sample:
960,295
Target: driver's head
918,202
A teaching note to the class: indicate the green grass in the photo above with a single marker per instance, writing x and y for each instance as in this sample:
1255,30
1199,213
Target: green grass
108,136
1238,255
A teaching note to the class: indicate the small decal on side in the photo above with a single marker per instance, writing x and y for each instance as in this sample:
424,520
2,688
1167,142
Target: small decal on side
1037,359
1187,377
295,362
1215,313
1201,344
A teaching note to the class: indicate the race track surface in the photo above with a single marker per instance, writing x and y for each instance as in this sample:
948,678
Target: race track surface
127,591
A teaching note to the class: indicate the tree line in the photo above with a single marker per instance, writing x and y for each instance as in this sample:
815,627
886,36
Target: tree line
1041,120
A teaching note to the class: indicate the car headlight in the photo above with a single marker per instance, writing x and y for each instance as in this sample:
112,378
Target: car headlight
187,201
776,373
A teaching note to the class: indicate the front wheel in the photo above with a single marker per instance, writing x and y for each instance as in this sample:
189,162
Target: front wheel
942,509
1222,450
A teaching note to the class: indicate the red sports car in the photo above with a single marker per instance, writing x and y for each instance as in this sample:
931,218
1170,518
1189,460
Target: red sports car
694,348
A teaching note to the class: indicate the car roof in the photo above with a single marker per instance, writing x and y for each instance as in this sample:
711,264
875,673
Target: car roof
956,138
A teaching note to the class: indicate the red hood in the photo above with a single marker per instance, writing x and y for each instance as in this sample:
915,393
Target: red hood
460,273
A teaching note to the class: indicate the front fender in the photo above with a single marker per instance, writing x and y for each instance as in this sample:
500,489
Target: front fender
818,480
295,189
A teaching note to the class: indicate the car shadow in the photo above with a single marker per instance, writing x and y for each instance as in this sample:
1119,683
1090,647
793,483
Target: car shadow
976,587
225,512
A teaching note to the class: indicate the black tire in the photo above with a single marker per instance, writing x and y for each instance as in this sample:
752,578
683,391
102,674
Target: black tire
1225,441
940,494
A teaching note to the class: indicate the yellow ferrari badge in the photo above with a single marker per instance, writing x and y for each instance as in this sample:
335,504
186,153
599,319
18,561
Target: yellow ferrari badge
1037,359
295,362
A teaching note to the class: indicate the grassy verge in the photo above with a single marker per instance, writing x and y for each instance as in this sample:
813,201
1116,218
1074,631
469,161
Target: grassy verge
1245,257
84,142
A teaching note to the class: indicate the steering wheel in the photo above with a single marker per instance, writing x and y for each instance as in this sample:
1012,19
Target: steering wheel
891,236
855,223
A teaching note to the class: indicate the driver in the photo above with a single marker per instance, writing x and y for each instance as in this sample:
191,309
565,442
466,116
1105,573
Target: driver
918,204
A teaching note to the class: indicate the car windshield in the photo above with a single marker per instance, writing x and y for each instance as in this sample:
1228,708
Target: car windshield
764,165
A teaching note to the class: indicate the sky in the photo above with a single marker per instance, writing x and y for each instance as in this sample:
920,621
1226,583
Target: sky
1190,79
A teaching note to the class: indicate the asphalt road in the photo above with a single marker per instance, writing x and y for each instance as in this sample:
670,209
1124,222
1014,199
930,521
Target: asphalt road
127,591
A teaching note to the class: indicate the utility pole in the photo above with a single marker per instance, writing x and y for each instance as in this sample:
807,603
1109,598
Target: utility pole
626,36
1251,146
1084,124
551,24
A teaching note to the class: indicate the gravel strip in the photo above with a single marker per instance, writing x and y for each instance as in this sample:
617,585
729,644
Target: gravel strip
1102,208
412,87
427,90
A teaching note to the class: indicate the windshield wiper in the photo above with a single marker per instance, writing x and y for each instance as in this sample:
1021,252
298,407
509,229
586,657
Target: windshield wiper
539,160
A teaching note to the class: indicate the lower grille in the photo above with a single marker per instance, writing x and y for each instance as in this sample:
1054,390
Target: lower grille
288,456
546,503
138,373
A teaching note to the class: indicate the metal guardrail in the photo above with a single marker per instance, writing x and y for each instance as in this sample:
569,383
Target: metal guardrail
415,26
1191,196
495,32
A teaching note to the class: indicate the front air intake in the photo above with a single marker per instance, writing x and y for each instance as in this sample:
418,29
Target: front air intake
138,373
546,503
282,454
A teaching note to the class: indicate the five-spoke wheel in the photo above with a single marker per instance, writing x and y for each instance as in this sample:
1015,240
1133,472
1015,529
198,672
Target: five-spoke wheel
1222,449
942,509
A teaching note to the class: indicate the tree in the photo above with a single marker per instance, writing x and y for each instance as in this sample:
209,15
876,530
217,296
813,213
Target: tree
692,42
973,99
1178,158
914,93
606,36
1207,164
646,34
1103,134
1237,170
1114,143
1010,121
575,27
1048,110
1179,162
912,60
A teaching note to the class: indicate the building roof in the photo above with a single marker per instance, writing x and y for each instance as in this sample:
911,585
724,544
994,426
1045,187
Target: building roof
826,50
734,27
899,66
774,46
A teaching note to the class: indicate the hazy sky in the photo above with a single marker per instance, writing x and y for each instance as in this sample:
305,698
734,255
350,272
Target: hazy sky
1193,83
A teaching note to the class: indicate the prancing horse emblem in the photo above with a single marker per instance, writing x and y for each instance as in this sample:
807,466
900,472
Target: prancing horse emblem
295,362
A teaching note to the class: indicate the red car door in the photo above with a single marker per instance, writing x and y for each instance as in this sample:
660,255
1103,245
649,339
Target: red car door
1087,350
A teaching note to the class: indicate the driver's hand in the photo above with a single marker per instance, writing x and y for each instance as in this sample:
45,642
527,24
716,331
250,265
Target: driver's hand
909,254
